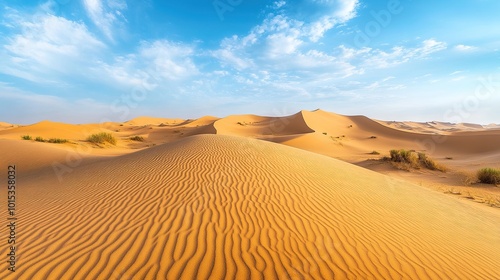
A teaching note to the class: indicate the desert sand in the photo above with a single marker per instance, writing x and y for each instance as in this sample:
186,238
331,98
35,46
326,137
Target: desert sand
252,197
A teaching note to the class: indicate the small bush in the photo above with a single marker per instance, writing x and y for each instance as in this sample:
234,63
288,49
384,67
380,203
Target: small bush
101,138
57,140
374,153
137,138
39,139
373,137
324,133
430,163
405,156
407,159
489,175
26,137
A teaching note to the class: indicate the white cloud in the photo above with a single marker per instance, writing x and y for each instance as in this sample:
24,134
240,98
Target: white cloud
48,46
171,61
279,4
53,50
456,72
464,48
399,54
280,37
104,14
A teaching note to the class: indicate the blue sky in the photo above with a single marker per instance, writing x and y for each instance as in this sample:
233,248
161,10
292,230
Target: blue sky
98,60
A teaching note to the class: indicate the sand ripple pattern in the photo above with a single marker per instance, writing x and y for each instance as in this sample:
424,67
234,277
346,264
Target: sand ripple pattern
223,207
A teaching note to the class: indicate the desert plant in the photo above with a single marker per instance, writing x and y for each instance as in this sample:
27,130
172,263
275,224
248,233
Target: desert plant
430,163
101,138
489,175
39,139
26,137
137,138
405,156
407,159
57,140
374,153
373,137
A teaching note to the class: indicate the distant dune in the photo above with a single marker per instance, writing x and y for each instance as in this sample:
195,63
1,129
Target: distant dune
251,197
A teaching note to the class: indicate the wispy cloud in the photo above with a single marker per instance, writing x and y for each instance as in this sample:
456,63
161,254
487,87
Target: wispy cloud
48,47
465,48
106,14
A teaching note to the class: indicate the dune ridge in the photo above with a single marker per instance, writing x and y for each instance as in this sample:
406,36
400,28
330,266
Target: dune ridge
226,207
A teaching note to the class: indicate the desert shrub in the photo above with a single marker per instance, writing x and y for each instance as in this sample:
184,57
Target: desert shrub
26,137
101,138
373,137
137,138
57,140
489,175
404,156
429,163
407,159
374,153
39,139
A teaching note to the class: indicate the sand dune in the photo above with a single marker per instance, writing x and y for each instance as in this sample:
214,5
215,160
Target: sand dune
48,129
34,156
256,126
153,121
223,207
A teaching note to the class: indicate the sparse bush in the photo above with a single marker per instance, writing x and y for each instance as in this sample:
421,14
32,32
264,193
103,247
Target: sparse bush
489,175
407,159
404,156
324,133
430,163
137,138
374,153
373,137
101,138
57,140
39,139
26,137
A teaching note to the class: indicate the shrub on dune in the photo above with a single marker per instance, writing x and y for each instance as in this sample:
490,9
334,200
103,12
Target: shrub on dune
408,159
57,140
137,138
489,175
101,138
430,163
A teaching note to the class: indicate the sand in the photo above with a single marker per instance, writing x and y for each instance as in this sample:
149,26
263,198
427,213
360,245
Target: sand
246,197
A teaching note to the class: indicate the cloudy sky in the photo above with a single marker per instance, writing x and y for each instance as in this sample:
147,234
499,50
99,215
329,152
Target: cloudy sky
98,60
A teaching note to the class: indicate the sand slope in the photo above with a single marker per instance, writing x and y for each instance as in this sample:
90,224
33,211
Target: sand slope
49,129
224,207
